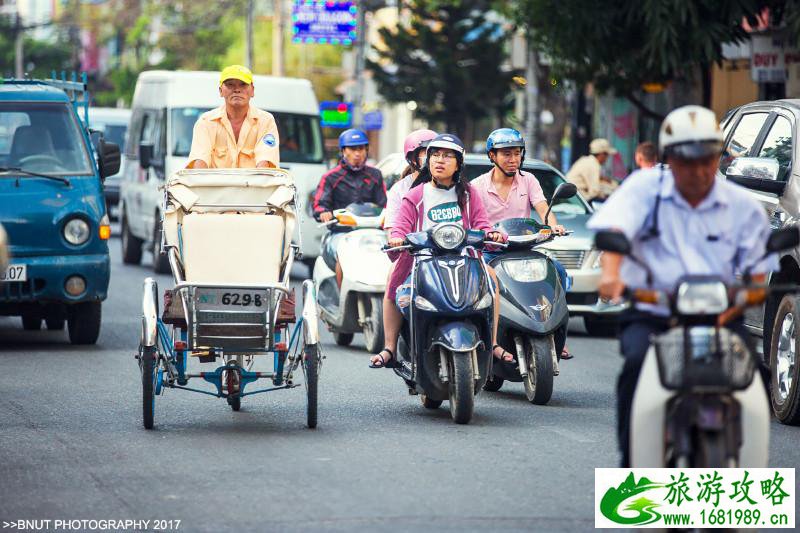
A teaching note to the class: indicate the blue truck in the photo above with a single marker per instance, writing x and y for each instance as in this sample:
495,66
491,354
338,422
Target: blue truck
52,169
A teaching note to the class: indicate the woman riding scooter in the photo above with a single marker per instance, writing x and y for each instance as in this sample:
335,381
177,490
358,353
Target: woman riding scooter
442,197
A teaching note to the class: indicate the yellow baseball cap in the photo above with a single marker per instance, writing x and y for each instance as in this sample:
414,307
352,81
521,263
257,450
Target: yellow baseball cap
236,72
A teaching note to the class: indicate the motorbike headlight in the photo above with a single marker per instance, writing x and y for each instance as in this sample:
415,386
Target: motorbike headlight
702,298
76,231
448,236
485,301
526,270
425,305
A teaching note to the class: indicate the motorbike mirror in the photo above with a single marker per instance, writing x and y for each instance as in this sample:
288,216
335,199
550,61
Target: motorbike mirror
783,239
612,241
562,192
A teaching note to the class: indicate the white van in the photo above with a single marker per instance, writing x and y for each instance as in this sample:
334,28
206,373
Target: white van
113,123
166,104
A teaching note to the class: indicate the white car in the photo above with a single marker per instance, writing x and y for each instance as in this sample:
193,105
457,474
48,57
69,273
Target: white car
165,107
576,251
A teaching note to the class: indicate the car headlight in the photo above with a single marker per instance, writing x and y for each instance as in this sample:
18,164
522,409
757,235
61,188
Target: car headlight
485,301
598,256
702,298
526,270
448,236
76,231
425,305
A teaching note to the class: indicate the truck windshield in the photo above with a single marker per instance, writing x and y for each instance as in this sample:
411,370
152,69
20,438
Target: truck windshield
300,135
42,137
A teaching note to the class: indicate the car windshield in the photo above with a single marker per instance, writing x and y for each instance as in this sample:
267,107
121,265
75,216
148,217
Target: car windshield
300,135
548,179
42,137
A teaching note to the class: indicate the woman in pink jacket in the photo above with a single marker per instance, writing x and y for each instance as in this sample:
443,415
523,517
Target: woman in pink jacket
442,197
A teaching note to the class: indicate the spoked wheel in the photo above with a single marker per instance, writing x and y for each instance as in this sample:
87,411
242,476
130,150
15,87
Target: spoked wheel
311,364
373,328
462,387
493,383
427,403
147,359
232,382
539,381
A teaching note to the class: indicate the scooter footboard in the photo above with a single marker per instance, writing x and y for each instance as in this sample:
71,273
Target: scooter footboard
457,336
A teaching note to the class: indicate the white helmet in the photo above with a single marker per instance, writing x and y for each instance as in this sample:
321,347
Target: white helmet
690,132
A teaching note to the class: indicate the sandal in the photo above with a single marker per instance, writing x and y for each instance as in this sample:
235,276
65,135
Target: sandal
565,354
383,362
505,356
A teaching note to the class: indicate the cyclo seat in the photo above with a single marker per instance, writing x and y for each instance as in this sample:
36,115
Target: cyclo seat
231,226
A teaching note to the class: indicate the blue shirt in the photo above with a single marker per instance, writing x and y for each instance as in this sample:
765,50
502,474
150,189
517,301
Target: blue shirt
726,233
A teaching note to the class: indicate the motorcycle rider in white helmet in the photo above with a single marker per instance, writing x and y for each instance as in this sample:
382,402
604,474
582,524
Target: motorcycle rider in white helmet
680,220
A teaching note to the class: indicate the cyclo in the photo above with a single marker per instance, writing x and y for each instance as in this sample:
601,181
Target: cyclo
227,235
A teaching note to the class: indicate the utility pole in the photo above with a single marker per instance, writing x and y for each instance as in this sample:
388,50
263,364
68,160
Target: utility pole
277,38
19,52
361,48
248,46
532,100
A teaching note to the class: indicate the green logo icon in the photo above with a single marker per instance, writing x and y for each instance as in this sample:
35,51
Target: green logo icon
645,508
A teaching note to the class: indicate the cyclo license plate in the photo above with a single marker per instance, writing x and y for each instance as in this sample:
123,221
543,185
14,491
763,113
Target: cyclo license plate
232,299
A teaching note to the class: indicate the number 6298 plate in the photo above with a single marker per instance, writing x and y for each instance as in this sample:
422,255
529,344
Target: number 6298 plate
232,299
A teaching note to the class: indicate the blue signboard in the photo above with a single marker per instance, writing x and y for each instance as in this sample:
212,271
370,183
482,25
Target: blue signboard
324,21
335,114
373,120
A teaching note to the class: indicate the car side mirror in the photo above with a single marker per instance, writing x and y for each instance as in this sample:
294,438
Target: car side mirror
612,241
146,155
109,158
783,239
758,173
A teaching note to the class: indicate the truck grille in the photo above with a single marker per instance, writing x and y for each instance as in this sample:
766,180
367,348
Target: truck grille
21,291
571,259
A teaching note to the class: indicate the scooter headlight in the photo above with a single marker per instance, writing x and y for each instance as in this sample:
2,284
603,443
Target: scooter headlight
526,270
448,236
425,305
702,298
485,301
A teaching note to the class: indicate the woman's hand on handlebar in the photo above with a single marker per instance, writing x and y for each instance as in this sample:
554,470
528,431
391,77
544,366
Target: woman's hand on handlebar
495,236
558,229
394,242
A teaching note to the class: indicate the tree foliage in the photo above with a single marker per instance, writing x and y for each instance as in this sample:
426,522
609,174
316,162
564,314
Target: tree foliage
620,46
447,59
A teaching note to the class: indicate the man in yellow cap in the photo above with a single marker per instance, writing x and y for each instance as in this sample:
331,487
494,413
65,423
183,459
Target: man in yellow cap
236,134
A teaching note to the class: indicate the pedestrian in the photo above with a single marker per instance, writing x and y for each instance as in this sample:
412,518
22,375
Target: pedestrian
235,134
681,220
586,172
646,155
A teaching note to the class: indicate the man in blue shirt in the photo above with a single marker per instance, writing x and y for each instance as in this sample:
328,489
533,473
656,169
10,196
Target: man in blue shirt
680,220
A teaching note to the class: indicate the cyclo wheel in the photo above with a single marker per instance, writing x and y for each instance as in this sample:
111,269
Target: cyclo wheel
148,360
311,362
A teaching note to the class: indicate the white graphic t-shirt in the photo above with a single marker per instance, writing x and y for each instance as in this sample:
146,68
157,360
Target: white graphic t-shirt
440,206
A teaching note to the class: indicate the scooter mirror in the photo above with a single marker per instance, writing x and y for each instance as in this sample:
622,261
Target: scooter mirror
783,239
612,241
564,191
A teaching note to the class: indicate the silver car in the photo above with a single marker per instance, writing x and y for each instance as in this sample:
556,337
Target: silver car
576,251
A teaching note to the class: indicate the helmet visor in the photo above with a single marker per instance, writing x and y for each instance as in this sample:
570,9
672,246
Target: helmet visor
694,149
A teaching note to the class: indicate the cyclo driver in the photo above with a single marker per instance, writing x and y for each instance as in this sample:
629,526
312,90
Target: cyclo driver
680,221
351,181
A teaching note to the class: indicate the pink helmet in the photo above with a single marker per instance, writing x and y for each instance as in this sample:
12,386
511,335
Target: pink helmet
414,141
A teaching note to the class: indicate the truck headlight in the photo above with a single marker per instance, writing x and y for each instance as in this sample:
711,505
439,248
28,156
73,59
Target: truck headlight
76,231
526,270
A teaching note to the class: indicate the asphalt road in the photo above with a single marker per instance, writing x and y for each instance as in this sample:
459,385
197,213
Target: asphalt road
72,445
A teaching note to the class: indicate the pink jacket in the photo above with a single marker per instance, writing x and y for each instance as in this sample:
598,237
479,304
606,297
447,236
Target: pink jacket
409,220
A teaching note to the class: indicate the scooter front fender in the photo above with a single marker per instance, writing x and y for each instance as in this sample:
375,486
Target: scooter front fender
456,336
